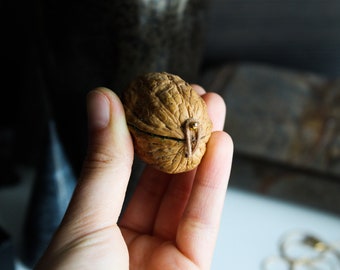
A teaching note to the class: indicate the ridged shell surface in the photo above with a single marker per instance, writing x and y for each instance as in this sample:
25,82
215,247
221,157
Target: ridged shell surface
168,121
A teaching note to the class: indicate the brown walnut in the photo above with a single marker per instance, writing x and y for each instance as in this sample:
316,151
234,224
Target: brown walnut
168,121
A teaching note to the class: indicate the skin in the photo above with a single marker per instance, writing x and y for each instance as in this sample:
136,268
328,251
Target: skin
171,222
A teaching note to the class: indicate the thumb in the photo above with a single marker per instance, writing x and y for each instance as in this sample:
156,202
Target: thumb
100,192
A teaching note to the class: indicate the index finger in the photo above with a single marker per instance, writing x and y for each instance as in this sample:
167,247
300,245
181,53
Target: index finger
216,106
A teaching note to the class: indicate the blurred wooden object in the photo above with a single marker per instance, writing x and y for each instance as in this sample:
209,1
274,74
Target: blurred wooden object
286,128
280,115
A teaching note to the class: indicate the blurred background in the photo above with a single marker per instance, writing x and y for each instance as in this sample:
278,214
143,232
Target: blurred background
276,63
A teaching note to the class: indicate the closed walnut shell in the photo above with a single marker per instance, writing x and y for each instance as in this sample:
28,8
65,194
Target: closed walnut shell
168,121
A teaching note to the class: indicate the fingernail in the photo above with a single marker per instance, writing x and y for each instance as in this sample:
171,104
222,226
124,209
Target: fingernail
98,110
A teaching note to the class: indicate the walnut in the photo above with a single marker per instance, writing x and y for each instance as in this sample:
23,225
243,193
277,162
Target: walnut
168,121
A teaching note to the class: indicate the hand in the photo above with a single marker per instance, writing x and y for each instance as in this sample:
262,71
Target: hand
171,222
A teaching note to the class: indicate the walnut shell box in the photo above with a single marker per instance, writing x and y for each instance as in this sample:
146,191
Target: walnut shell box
168,121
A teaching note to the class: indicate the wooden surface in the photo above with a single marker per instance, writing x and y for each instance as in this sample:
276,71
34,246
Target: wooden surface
286,129
281,115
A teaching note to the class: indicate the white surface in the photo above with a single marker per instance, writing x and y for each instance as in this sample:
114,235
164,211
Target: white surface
251,225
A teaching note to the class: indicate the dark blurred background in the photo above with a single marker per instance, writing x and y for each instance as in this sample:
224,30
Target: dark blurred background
301,34
77,39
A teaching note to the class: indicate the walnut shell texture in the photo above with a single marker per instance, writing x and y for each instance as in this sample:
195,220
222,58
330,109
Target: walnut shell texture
168,121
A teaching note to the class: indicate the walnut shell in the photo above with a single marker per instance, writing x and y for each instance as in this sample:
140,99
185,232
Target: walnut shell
168,121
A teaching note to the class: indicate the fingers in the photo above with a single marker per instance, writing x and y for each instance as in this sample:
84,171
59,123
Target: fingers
164,196
216,110
199,89
141,211
173,204
198,229
99,195
216,106
178,191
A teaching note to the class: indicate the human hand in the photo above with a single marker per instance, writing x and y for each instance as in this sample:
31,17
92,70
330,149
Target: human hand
171,222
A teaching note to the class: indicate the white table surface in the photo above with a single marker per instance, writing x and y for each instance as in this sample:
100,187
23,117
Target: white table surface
251,225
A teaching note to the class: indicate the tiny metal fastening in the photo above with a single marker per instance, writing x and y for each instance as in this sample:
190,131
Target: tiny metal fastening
192,133
300,250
